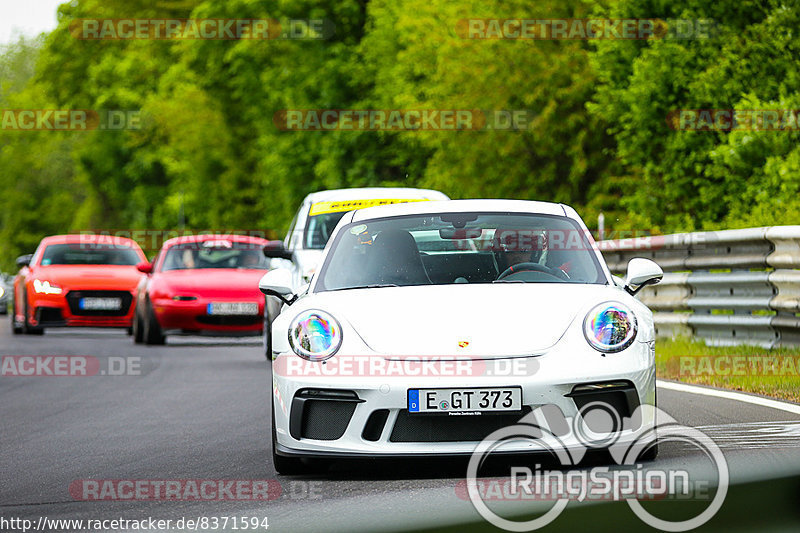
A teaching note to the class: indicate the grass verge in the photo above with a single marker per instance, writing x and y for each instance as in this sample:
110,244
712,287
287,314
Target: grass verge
774,373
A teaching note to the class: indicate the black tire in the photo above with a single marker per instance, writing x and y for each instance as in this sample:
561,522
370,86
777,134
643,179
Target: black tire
288,466
153,334
138,334
285,466
267,336
26,327
16,328
650,453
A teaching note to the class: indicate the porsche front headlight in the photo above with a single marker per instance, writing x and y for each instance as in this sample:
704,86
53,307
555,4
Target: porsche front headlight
315,335
610,327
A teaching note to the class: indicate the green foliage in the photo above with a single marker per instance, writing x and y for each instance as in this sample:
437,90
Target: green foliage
209,155
37,181
700,179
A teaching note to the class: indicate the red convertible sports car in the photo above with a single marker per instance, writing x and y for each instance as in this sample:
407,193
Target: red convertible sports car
76,280
202,284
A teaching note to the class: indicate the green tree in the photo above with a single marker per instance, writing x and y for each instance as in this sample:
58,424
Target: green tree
698,179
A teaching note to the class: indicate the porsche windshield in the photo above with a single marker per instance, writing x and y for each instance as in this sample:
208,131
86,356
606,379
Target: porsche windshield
215,254
460,248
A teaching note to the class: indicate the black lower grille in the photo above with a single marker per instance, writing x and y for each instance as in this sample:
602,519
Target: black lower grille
374,426
326,420
321,414
619,399
230,320
74,301
49,315
421,428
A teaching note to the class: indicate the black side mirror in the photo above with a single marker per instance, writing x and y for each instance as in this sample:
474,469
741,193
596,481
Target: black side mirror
24,260
276,250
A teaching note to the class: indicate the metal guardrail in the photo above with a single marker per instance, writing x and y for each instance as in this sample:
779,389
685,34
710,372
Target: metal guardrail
728,287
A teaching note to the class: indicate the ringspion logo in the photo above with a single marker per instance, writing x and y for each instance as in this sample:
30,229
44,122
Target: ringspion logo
596,427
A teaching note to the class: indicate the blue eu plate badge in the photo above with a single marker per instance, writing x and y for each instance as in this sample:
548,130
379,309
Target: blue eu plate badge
413,400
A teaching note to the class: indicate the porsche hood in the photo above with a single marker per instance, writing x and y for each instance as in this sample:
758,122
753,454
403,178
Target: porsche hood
491,320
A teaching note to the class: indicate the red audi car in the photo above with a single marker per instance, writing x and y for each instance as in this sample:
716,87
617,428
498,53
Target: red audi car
76,280
202,284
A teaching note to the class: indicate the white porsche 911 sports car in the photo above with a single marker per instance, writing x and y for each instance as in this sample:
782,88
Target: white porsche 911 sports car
430,325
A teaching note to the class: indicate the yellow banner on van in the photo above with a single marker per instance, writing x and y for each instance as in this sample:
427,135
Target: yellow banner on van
320,208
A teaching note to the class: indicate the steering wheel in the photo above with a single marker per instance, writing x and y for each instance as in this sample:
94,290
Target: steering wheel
536,267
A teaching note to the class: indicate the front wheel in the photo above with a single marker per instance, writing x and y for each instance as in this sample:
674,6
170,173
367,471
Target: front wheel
153,335
26,327
650,453
286,466
267,337
138,334
16,328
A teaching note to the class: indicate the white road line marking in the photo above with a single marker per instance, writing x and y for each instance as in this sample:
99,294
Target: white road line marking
755,435
730,395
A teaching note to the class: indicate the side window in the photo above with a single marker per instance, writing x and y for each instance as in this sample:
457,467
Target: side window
37,254
155,260
292,241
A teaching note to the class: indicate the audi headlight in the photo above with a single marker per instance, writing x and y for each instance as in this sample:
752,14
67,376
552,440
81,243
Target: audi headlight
315,335
610,327
45,287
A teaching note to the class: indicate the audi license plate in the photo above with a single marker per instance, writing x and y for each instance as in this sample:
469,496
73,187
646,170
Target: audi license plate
458,401
100,304
232,308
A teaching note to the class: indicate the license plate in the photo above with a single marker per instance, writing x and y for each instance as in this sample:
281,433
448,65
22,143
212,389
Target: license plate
458,401
100,304
232,308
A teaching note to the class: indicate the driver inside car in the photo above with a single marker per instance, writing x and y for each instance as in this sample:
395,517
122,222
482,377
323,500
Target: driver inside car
523,250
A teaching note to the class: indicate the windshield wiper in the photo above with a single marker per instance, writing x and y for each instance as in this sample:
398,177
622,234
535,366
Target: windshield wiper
373,286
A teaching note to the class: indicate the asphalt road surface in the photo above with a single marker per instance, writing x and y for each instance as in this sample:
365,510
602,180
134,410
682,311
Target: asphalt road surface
198,409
